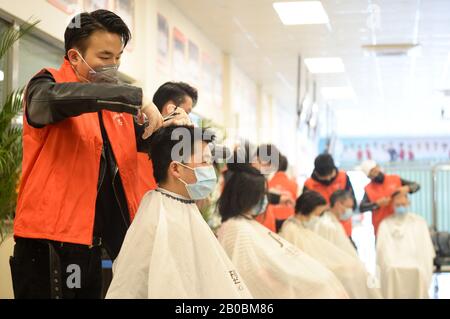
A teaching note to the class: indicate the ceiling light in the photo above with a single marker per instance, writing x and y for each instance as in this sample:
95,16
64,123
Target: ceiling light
393,49
325,65
338,93
301,12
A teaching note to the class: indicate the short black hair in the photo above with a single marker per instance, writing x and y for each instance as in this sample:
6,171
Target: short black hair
308,201
84,24
165,139
339,195
283,164
244,187
176,92
324,164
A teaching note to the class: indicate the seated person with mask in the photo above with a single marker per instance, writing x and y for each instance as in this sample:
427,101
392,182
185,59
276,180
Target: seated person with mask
329,226
270,266
169,251
405,252
348,269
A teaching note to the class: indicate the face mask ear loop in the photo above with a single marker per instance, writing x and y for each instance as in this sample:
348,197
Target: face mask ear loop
186,167
81,57
78,73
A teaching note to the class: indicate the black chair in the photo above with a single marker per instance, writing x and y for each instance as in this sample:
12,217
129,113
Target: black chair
441,242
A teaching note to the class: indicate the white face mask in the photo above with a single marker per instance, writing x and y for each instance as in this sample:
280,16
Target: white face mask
205,184
346,215
401,210
261,207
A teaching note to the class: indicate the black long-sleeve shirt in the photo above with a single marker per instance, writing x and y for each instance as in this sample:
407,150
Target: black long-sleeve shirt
367,205
48,102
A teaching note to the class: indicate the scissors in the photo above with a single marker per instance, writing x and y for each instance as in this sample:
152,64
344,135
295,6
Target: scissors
171,115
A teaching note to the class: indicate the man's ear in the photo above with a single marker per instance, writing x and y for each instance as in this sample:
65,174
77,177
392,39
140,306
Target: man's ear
174,170
168,108
73,56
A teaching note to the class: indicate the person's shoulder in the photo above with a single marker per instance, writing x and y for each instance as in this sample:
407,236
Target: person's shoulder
236,227
394,177
325,223
236,222
277,179
417,218
43,75
289,225
326,218
292,182
342,175
146,200
150,194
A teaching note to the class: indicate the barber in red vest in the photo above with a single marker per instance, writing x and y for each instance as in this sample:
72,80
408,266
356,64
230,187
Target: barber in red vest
281,182
78,188
326,179
268,161
378,193
168,99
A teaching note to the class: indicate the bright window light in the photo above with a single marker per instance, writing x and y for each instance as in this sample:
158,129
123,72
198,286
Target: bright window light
338,93
301,12
325,65
2,76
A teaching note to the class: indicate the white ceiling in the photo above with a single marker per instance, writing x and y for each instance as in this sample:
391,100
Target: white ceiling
395,93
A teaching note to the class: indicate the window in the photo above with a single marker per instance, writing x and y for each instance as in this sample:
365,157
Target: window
34,55
3,71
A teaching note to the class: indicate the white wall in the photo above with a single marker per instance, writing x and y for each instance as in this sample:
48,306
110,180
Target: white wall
244,105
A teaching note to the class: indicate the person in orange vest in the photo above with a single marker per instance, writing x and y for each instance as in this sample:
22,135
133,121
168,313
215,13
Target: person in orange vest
267,160
78,188
378,193
285,185
168,97
326,179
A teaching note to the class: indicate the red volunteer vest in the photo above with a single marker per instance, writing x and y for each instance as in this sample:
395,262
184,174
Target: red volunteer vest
281,181
327,190
146,180
376,191
60,171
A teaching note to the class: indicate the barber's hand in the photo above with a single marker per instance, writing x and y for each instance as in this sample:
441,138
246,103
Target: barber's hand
155,119
180,117
384,201
404,189
141,118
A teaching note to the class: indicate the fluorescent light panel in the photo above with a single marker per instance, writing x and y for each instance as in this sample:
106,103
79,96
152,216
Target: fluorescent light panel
325,65
301,12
